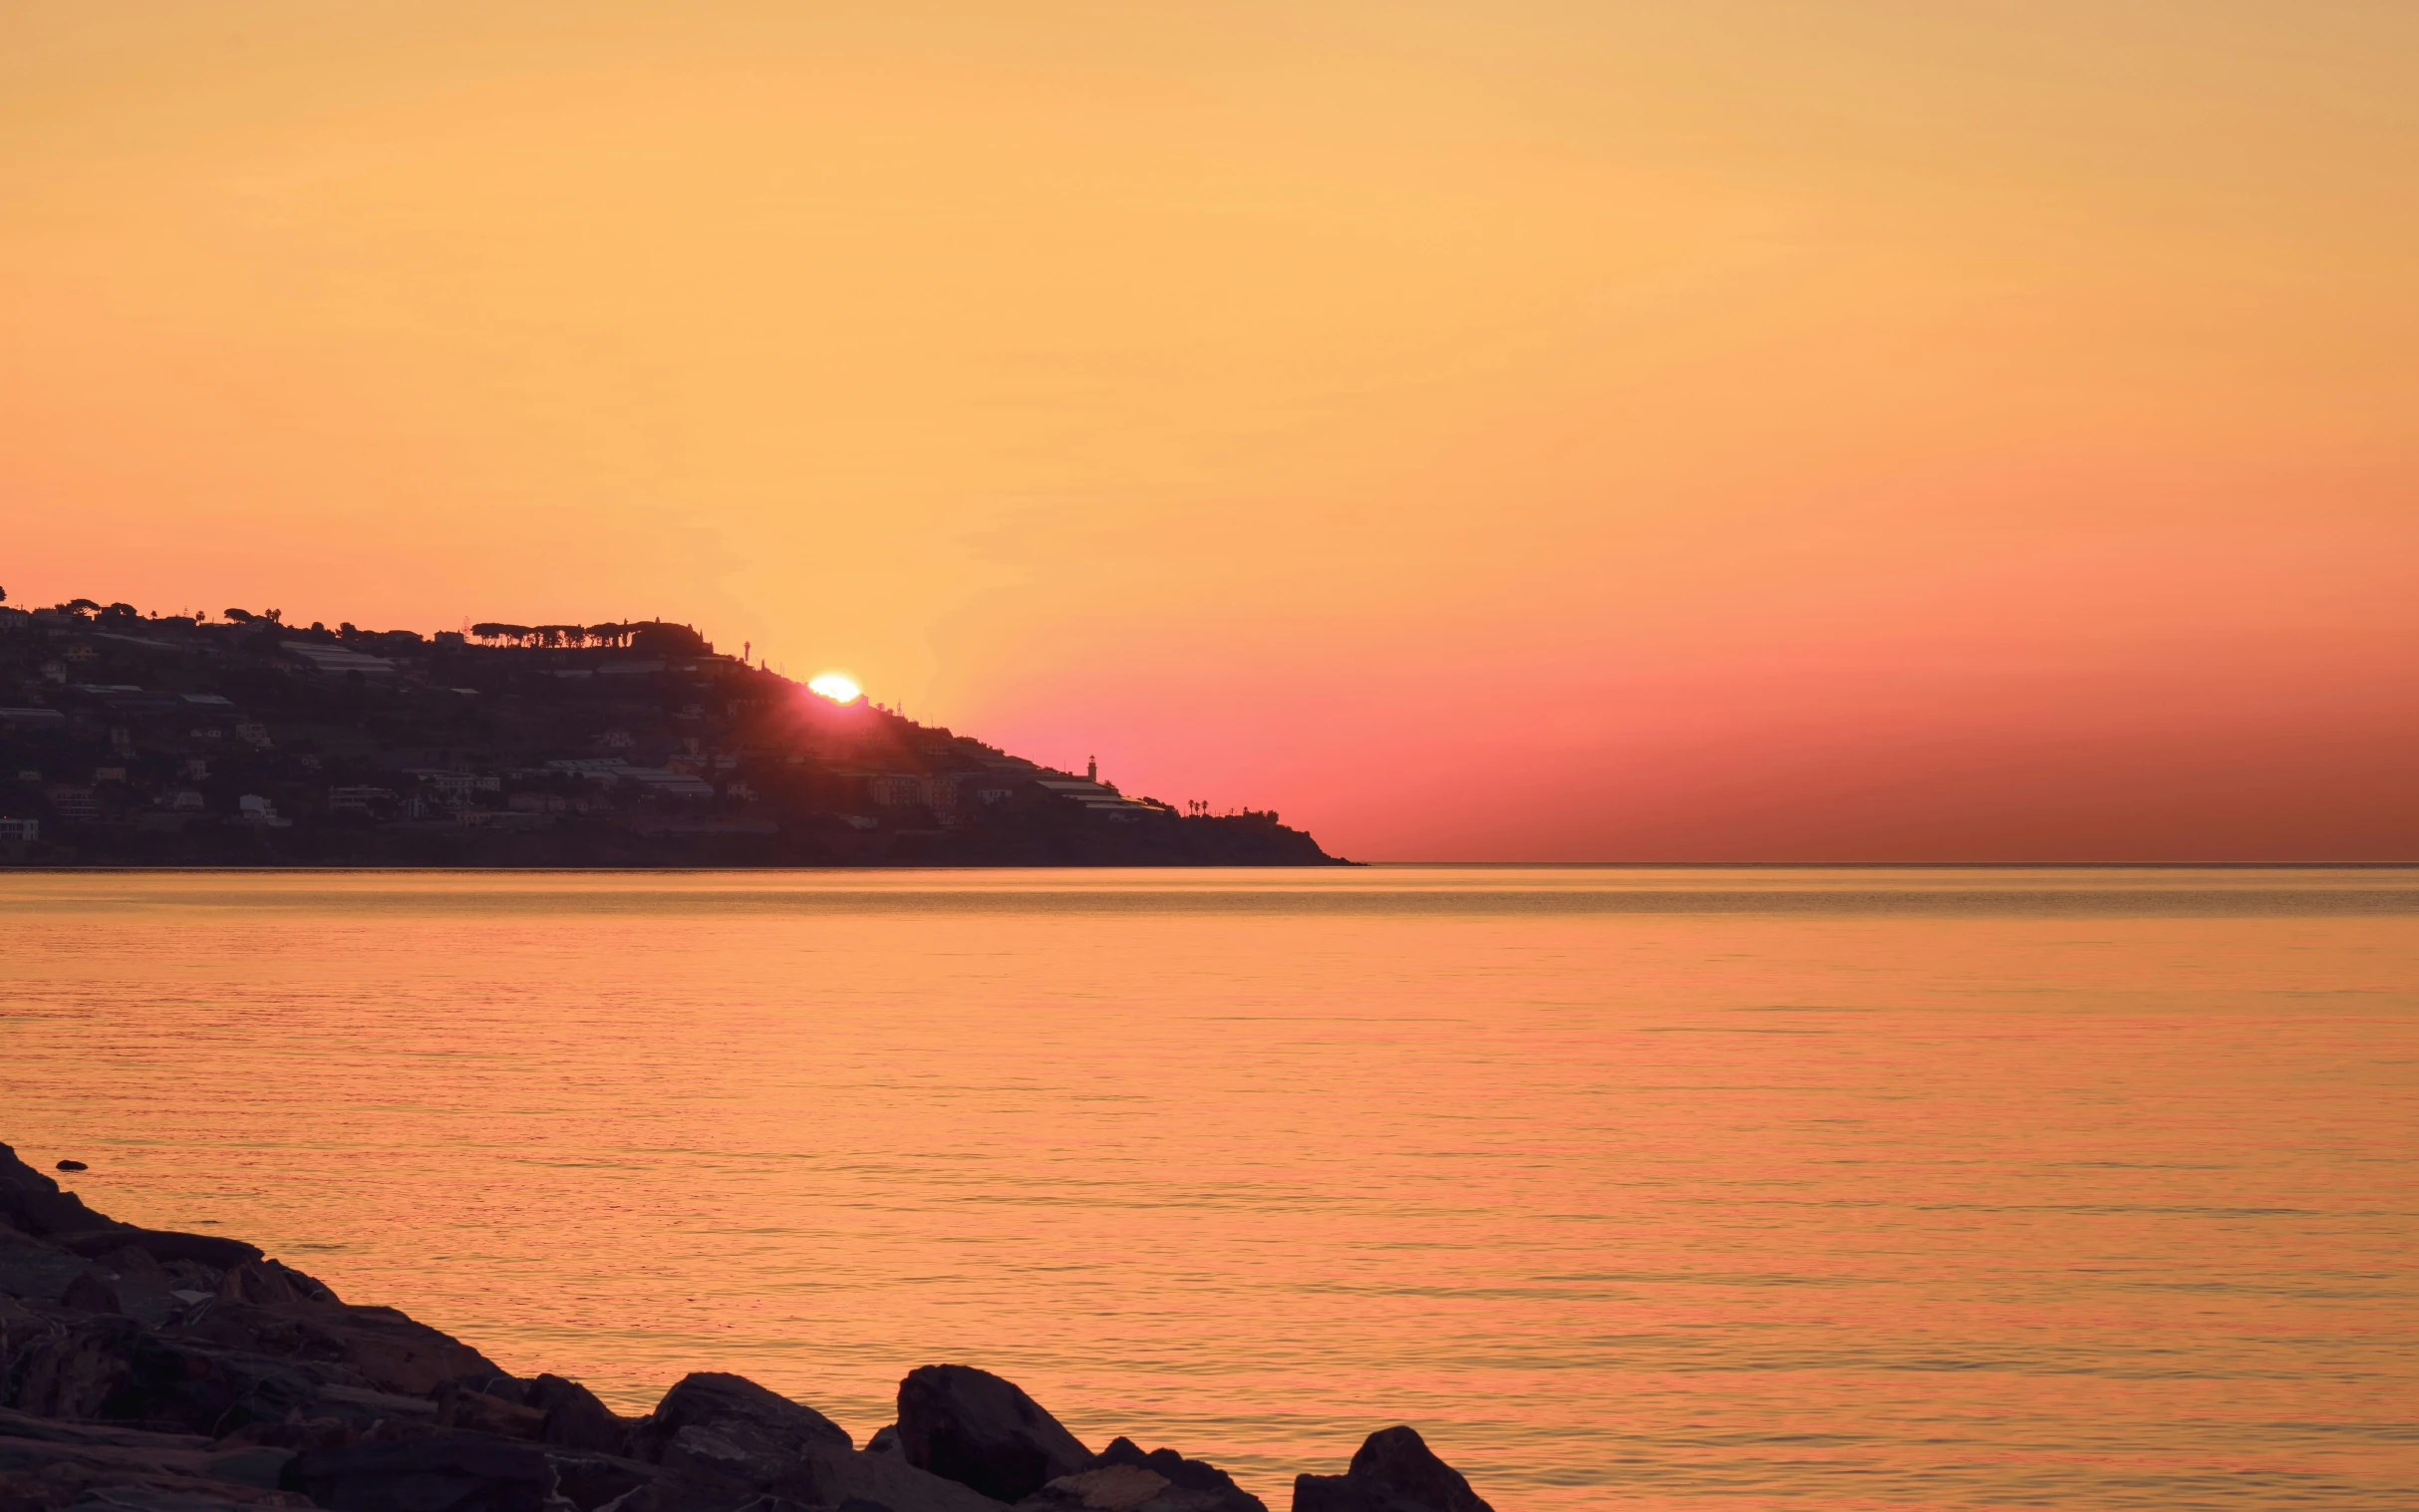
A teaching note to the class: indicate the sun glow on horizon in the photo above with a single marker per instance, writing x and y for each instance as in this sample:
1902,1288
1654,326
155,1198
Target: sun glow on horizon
839,687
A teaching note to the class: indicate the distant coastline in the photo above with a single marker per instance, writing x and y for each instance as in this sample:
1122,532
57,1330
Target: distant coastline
169,741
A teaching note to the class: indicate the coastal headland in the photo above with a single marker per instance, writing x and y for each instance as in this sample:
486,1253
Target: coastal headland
134,739
167,1371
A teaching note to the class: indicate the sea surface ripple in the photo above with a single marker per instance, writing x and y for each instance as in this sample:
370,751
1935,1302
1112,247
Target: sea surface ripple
1629,1187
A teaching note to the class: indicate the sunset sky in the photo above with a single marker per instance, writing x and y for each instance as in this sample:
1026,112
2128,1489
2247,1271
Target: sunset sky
1586,431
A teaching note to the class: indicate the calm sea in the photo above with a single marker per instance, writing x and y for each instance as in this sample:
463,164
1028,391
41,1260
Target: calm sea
1629,1188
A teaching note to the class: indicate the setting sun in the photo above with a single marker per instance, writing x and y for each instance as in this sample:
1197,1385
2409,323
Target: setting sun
839,687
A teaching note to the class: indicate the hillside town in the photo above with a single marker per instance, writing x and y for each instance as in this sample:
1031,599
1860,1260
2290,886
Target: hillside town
141,739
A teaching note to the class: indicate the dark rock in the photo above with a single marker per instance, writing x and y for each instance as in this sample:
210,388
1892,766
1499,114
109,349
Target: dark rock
1114,1488
72,1165
311,1288
167,1371
723,1441
508,1387
571,1417
261,1282
457,1406
737,1410
222,1391
146,1290
258,1465
73,1373
427,1475
1394,1471
35,1272
143,1498
383,1347
837,1477
133,1263
32,1203
151,1498
88,1293
212,1250
18,1430
195,1277
19,1323
111,1370
721,1438
788,1504
575,1418
375,1414
975,1428
294,1435
47,1464
1122,1477
588,1482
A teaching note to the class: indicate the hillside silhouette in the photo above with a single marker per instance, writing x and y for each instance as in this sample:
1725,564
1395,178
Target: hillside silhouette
131,738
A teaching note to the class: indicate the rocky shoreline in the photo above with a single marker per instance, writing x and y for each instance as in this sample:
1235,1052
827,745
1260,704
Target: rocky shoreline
162,1372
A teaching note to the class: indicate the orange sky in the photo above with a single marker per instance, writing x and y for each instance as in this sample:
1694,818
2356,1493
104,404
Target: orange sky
1553,430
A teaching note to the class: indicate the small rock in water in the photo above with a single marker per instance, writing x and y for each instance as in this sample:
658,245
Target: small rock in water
72,1165
982,1432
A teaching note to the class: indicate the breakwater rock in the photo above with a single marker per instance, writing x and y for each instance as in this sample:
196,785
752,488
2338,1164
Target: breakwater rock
162,1372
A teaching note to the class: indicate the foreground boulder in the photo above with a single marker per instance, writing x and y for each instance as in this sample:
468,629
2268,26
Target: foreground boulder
973,1427
736,1412
723,1441
1394,1471
1121,1478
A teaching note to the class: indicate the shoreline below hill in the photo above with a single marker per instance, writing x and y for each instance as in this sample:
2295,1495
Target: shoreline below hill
166,1372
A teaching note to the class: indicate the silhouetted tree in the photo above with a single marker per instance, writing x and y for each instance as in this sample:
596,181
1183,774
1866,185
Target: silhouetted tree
239,616
668,640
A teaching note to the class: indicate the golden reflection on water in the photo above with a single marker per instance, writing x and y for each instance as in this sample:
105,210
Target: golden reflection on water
1629,1188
